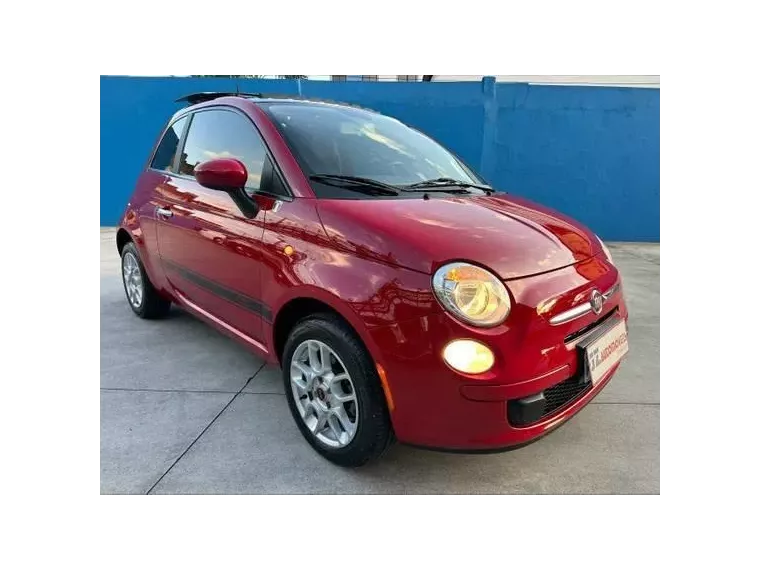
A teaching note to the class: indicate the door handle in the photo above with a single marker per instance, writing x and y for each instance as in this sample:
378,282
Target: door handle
165,212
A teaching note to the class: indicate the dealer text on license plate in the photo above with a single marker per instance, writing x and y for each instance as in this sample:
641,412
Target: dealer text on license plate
606,351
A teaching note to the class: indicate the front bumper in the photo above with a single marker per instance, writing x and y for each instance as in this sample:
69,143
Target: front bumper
437,407
515,437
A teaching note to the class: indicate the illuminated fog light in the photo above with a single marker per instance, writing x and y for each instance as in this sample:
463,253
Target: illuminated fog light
468,356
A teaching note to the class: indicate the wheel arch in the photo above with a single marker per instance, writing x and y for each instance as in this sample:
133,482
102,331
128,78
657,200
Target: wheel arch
123,237
309,301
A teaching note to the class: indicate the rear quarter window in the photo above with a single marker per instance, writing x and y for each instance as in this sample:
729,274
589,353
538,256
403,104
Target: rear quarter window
167,148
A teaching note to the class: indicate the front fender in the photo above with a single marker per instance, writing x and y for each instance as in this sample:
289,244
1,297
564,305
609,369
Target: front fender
367,295
340,306
299,260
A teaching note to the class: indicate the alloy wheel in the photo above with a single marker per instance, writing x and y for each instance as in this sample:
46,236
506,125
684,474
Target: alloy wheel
324,393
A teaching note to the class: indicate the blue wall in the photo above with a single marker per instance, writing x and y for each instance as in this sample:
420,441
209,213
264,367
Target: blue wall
590,152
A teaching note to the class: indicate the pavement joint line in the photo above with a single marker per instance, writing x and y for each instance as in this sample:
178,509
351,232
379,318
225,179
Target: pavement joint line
200,435
167,390
625,403
257,372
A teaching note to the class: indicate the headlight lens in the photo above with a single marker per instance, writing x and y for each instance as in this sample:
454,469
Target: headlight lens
605,250
472,294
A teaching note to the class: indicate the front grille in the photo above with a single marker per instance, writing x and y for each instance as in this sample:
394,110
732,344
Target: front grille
538,407
579,333
563,393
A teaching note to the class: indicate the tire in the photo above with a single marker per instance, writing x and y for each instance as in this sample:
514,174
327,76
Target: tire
150,304
373,431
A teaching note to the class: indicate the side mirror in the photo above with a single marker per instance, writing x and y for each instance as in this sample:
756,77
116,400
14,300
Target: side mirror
228,175
221,174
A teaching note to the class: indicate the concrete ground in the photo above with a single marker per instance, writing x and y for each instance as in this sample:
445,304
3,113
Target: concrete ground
184,409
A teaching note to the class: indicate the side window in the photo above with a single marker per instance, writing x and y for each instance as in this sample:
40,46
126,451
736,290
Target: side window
167,148
224,134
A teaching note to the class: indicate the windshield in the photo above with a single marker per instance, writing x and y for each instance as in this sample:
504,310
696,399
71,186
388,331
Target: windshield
352,142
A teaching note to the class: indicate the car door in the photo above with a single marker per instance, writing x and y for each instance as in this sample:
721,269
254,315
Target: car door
210,251
154,183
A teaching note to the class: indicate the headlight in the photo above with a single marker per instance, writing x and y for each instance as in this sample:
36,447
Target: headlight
605,250
472,294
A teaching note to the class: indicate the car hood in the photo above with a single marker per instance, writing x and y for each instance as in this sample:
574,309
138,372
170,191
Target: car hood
512,236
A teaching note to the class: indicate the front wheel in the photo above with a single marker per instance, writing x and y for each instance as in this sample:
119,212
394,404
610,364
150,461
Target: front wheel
334,392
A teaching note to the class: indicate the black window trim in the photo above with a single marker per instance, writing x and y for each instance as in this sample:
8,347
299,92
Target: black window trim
161,139
181,146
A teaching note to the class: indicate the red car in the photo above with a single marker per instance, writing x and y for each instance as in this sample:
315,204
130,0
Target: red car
402,297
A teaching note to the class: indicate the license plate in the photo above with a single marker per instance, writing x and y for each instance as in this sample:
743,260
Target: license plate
606,351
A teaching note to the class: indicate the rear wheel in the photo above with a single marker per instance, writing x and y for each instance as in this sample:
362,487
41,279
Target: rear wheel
334,393
141,295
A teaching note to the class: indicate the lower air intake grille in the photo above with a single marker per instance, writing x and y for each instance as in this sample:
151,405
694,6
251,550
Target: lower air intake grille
535,408
563,393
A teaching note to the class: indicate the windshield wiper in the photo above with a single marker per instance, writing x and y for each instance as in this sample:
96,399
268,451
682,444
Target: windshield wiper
366,185
447,183
376,187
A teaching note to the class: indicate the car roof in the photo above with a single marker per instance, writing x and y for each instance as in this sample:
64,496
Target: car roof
314,102
194,99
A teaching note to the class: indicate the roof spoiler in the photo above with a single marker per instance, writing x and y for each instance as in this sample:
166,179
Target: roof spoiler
194,98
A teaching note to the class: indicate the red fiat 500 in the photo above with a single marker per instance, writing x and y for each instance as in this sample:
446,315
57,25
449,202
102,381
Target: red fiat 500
401,295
